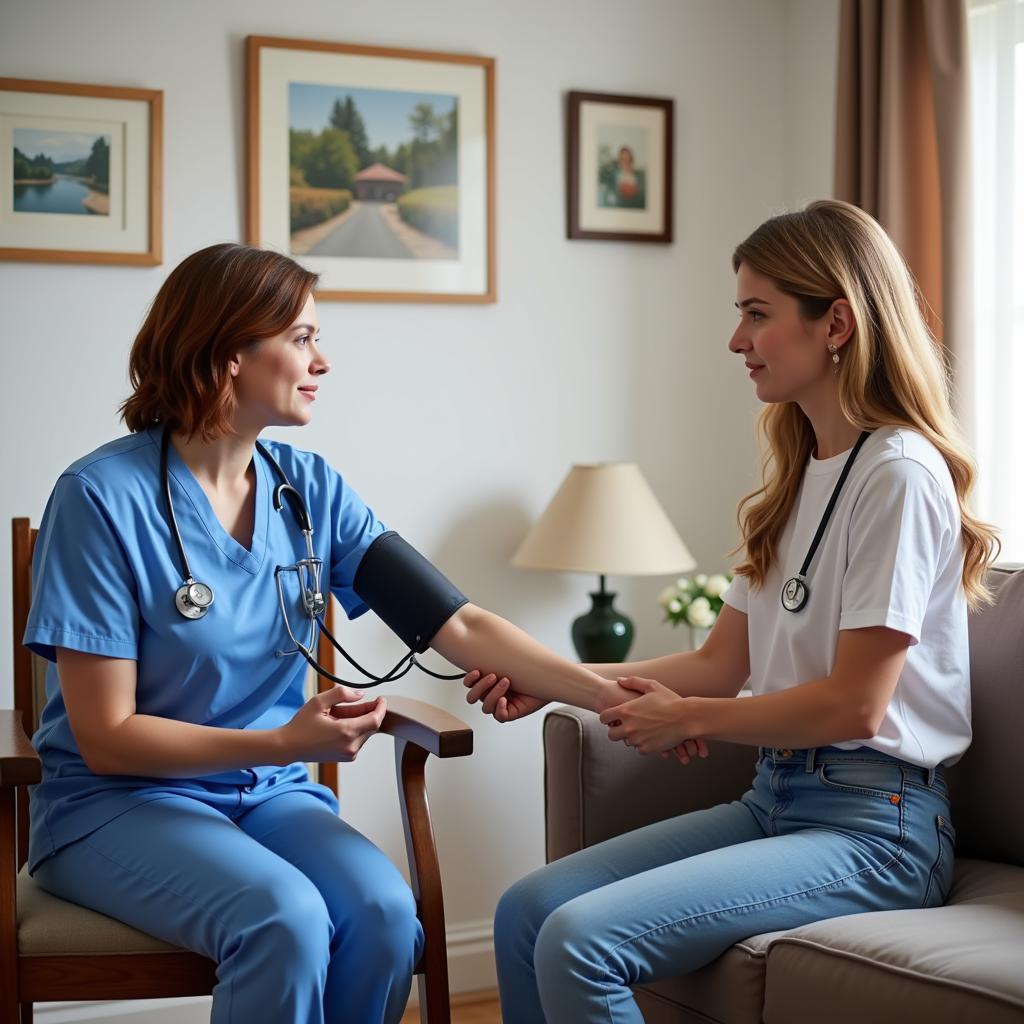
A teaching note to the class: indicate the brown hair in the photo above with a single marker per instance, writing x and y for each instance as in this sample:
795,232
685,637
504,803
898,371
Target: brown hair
892,372
214,302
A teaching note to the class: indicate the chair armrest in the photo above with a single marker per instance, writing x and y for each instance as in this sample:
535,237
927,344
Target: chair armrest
19,762
436,731
595,789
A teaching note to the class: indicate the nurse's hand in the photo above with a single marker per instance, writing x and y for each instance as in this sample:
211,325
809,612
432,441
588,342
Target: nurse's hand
499,699
332,726
656,722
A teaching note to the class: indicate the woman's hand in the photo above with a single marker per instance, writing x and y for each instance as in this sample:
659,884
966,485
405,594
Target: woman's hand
653,723
499,699
332,726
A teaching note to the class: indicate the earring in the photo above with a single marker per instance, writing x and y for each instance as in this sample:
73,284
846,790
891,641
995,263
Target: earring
835,356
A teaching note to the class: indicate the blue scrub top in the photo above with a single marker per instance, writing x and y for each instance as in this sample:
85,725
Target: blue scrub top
104,575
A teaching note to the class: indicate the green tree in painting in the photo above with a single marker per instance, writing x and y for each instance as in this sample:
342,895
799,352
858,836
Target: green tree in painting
97,165
331,161
431,154
26,168
346,118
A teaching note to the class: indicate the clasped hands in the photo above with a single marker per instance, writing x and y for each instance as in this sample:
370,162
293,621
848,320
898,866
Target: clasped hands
658,721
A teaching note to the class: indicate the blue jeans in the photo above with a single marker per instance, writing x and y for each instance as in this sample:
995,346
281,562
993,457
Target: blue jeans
822,832
308,921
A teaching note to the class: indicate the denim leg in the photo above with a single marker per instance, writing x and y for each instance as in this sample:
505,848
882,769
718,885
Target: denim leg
524,909
675,918
377,936
177,869
820,834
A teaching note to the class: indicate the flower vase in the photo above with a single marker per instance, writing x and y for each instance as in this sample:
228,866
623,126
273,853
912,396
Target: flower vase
698,634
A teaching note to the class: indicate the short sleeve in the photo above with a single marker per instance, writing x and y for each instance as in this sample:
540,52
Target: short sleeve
84,595
737,594
354,528
900,532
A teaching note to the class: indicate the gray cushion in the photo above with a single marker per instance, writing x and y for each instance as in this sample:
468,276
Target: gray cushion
960,962
48,926
986,801
730,988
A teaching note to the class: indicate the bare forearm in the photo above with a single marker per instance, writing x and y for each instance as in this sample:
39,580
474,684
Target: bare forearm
814,714
475,638
166,748
690,674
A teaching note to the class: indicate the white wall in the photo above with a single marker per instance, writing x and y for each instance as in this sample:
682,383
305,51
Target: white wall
457,424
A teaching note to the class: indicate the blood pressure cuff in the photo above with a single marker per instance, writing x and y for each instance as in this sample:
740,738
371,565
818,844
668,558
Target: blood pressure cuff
408,594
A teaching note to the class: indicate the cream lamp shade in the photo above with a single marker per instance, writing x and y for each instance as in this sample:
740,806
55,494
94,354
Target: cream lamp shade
605,519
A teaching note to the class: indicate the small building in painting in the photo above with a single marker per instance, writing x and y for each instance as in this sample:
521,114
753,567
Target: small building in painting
378,183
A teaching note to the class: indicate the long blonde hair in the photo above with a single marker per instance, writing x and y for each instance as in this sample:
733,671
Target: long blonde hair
891,372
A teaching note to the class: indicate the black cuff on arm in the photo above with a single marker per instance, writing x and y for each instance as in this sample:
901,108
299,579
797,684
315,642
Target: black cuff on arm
408,594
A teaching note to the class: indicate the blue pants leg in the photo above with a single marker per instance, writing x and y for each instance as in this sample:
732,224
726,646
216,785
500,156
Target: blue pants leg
846,837
377,937
185,872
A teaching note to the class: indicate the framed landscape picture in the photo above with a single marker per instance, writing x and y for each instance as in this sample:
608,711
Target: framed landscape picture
81,181
619,167
374,168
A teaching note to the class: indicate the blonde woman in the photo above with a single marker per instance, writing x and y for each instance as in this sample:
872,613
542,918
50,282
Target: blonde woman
848,615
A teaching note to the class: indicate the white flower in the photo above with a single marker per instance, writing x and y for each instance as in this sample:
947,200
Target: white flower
716,585
700,579
699,613
667,595
683,584
675,606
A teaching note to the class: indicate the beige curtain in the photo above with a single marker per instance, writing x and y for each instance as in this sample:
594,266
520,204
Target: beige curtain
903,149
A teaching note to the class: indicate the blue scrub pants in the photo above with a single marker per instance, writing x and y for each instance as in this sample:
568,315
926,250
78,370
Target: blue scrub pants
822,833
307,920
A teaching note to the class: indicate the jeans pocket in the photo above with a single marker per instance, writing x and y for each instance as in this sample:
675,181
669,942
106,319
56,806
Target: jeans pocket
940,877
871,778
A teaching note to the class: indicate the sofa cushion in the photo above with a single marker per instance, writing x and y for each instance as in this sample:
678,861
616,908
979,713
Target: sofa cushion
729,989
986,802
959,962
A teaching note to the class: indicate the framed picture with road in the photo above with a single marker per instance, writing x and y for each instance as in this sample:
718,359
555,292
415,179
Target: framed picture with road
619,165
374,168
81,181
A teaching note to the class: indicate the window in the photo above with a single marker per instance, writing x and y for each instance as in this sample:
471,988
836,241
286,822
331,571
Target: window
997,112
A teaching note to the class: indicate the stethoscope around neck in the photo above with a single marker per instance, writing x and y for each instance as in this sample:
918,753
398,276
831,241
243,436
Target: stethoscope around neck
796,591
194,598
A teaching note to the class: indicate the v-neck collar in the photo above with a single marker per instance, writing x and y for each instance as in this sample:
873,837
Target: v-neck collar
248,559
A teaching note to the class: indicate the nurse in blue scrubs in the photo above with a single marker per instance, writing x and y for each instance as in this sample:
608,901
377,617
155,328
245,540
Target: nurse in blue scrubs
174,793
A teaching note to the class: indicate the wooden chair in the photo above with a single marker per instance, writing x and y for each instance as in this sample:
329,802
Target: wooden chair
54,950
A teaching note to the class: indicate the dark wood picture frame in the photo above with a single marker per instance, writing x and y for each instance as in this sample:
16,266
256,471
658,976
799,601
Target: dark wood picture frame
152,254
255,231
576,164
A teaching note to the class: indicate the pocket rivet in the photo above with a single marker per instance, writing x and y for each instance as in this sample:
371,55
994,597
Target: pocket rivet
895,798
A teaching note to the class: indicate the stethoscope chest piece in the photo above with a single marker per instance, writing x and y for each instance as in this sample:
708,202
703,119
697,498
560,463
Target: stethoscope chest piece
794,594
193,599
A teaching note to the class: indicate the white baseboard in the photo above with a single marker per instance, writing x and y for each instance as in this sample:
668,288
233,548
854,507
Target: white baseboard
471,957
470,969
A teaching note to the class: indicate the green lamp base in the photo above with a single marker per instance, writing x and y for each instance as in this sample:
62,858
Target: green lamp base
602,634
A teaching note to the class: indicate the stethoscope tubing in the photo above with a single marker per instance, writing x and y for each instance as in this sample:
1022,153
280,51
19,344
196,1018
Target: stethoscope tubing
285,490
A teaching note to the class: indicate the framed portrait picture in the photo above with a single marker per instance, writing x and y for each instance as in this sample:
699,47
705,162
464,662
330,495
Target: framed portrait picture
620,167
374,168
82,179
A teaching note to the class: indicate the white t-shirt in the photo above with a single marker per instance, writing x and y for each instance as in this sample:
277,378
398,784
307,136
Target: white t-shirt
891,556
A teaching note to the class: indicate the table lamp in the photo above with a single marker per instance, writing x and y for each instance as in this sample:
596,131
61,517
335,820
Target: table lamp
604,519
